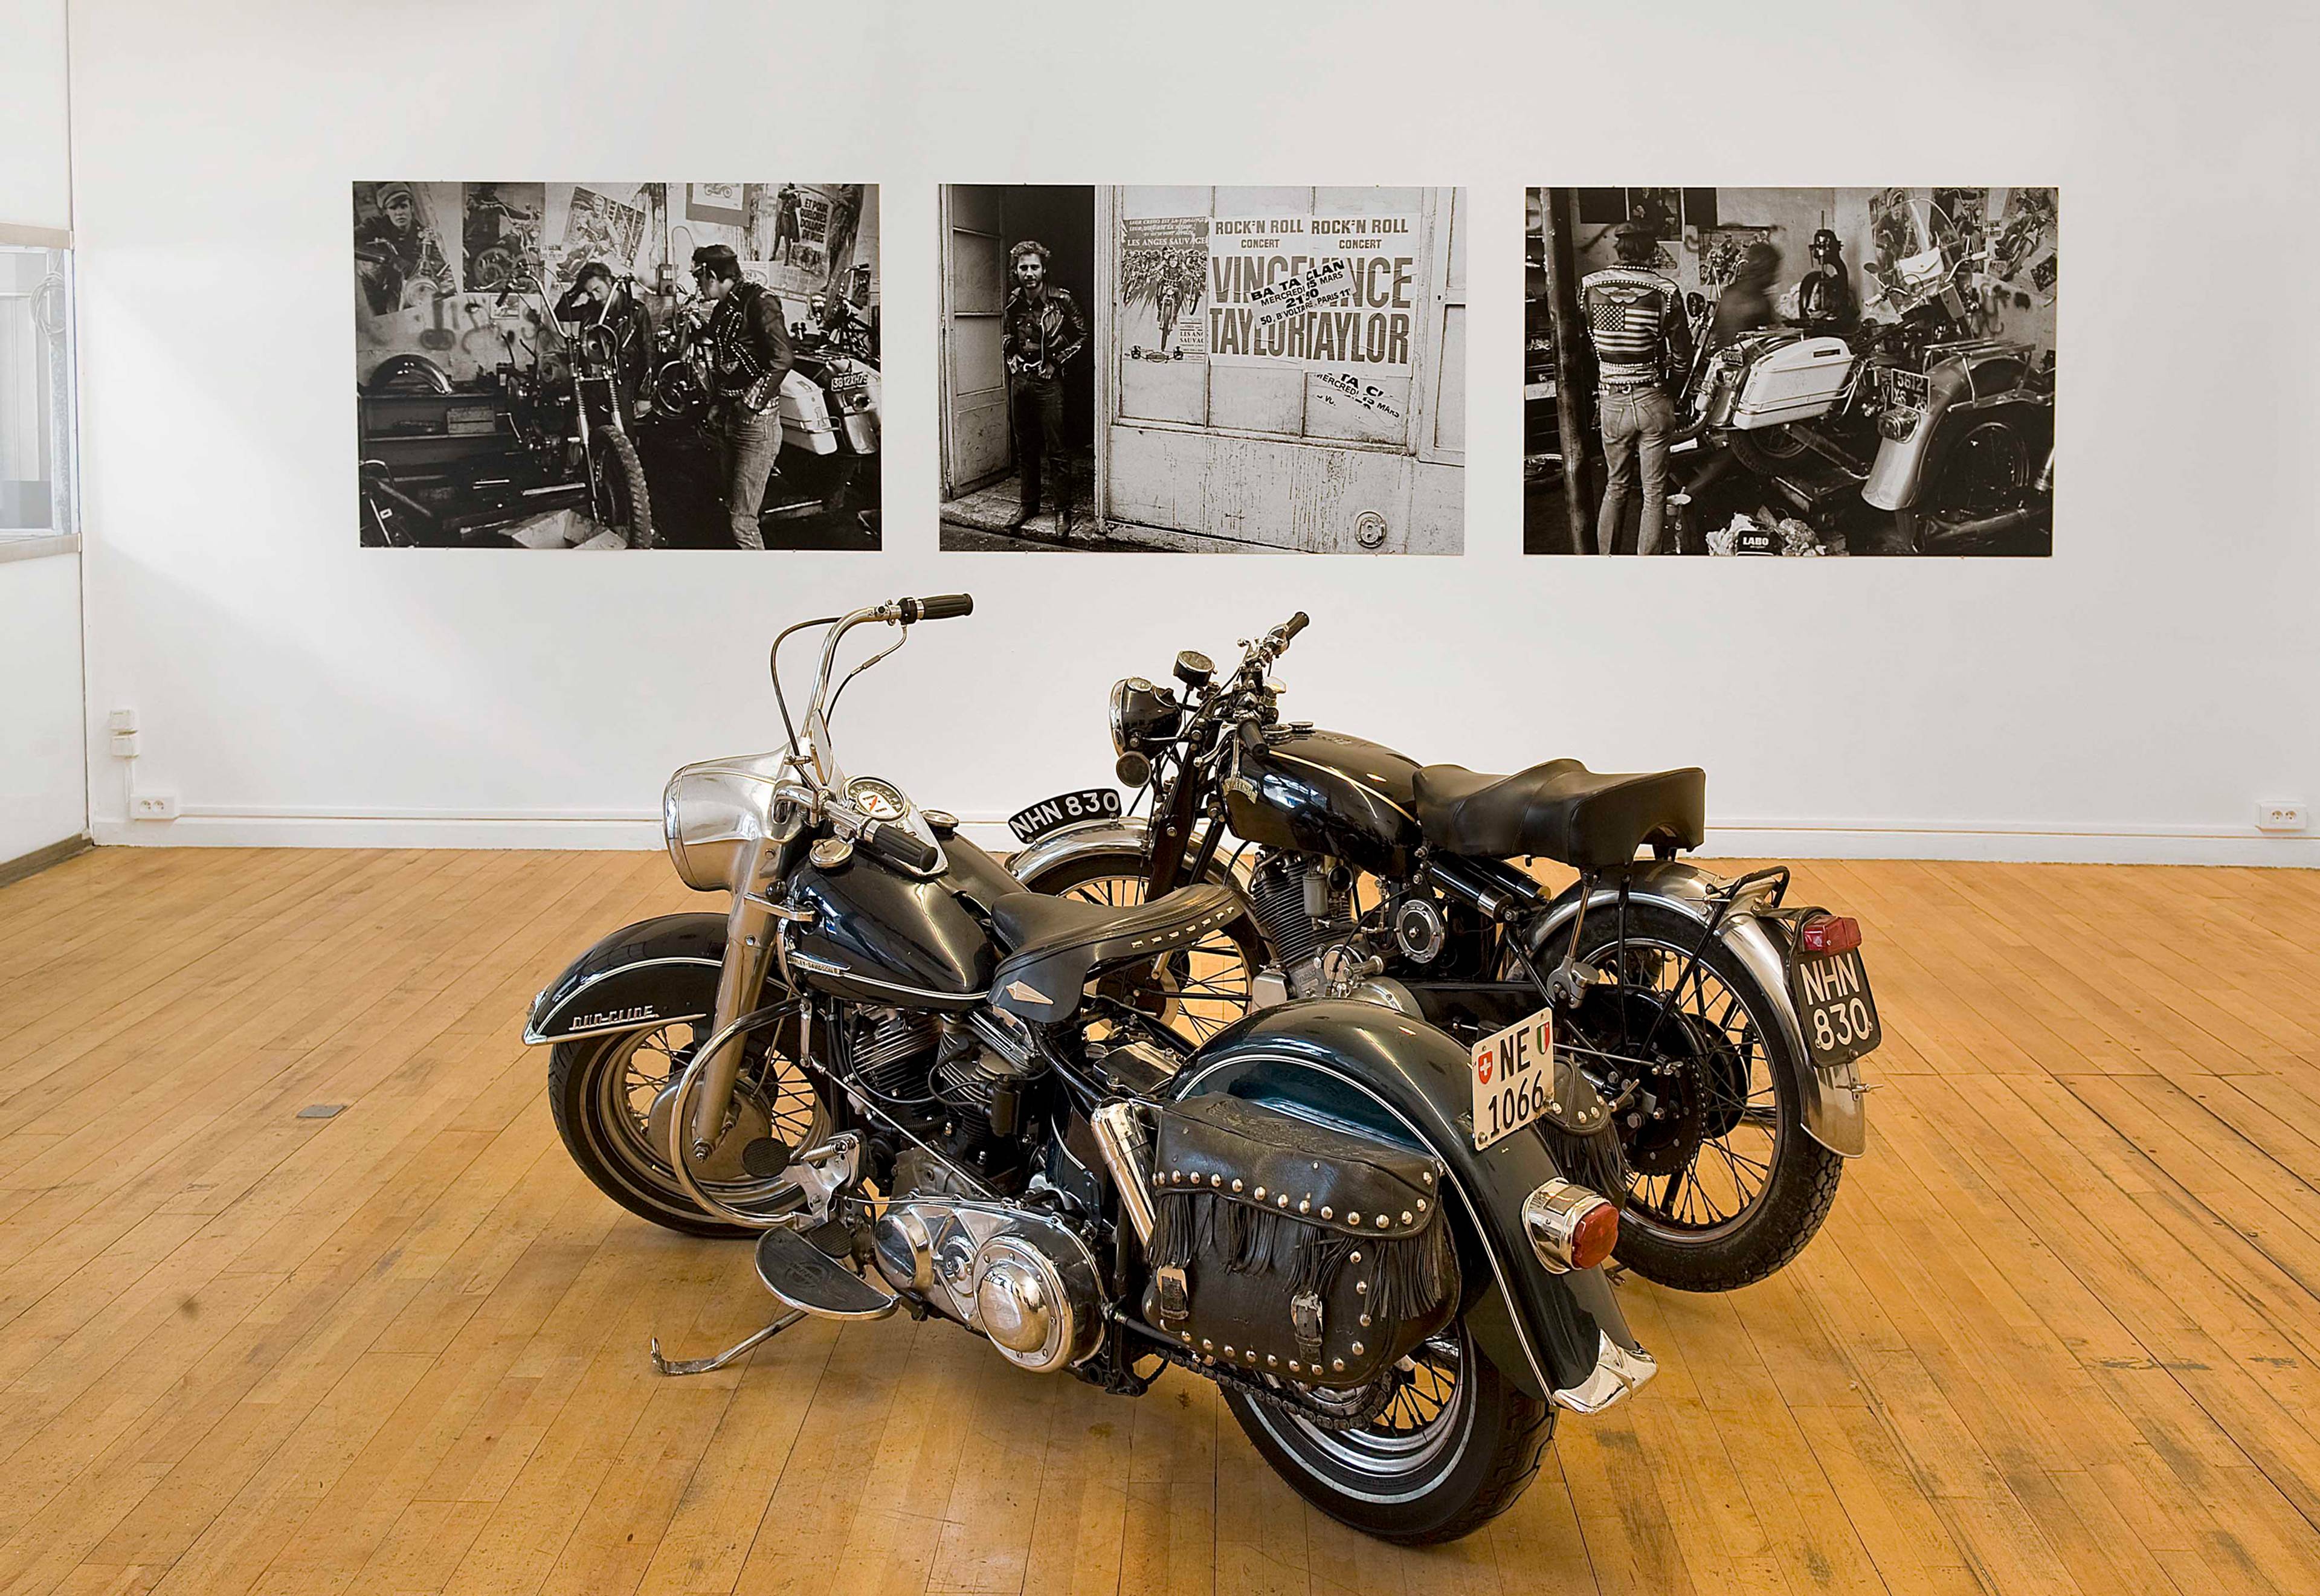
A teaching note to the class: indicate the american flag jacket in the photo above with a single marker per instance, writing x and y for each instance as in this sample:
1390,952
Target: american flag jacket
1636,319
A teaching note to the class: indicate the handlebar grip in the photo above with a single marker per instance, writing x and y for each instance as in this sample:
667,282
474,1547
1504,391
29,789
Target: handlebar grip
890,842
1295,624
943,606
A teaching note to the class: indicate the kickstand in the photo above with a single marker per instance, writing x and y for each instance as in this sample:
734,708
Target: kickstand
703,1365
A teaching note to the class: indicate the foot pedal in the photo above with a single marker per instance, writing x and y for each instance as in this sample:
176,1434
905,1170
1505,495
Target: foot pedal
800,1276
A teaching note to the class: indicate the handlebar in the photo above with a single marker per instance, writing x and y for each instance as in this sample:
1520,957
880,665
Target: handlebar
892,843
1295,624
943,606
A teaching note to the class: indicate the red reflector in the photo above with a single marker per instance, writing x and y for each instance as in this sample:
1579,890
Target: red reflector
1597,1234
1829,933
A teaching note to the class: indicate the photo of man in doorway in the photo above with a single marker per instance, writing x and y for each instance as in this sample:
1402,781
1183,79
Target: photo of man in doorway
1042,333
1018,390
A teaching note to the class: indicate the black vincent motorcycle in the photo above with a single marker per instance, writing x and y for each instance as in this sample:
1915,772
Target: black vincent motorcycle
1717,1025
916,1083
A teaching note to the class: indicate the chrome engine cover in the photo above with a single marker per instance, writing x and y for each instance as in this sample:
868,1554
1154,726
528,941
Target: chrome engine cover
1021,1278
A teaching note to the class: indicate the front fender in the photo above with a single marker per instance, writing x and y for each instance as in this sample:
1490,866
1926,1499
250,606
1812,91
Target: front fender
1119,834
1833,1115
1362,1067
655,972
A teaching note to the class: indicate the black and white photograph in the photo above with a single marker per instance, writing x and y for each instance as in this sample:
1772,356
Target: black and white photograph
618,365
1790,371
1204,370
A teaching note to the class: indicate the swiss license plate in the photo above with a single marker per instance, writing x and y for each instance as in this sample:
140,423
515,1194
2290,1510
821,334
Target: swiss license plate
1514,1075
1834,1004
1065,808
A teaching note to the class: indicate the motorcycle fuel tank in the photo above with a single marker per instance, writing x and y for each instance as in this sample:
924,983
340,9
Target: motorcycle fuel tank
1322,792
897,940
1794,379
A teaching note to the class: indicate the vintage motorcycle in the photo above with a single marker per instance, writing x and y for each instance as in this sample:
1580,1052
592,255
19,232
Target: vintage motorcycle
1718,1024
830,399
1951,432
906,1074
573,420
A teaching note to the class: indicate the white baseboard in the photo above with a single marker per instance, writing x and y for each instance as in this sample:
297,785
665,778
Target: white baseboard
2009,842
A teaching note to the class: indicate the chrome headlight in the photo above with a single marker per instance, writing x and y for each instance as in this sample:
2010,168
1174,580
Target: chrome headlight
1142,715
713,816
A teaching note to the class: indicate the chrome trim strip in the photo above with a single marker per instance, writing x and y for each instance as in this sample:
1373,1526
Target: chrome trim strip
1347,776
814,965
1617,1373
533,1035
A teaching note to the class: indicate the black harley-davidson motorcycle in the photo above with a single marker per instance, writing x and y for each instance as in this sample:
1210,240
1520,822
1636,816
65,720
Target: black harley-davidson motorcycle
922,1087
1717,1024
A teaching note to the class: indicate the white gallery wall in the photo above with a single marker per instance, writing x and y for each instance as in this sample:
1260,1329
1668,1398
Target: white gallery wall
2132,697
43,793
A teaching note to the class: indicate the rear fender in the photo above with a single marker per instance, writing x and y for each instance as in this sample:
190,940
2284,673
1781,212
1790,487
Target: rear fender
1833,1111
655,972
1364,1068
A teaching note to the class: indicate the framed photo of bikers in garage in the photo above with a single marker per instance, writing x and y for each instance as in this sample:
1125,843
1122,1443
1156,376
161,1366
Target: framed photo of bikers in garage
1790,371
606,365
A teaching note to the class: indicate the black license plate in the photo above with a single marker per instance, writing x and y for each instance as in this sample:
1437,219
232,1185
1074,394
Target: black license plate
1065,808
1834,1004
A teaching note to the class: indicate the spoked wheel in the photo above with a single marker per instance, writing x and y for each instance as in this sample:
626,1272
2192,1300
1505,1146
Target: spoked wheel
1724,1183
1195,992
1767,451
612,1097
1454,1446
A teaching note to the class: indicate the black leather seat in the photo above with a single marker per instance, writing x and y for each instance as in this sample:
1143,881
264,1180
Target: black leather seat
1057,943
1562,810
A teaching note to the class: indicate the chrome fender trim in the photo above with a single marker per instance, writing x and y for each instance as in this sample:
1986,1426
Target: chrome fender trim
1833,1113
1102,835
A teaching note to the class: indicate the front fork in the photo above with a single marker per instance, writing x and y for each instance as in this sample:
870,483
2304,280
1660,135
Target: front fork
748,950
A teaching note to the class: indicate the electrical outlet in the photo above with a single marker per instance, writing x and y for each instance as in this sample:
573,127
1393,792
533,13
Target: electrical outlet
2282,814
153,806
122,721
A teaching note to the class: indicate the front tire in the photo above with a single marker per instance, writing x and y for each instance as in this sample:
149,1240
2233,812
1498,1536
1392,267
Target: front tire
603,1088
1451,1452
1196,993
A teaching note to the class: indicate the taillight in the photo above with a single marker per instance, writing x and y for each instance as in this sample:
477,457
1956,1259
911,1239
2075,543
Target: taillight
1570,1227
1829,933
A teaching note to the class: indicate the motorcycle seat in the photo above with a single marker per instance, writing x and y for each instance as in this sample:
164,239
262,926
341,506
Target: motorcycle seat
1560,810
1055,944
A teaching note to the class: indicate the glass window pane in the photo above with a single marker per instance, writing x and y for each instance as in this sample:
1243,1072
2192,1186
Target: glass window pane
36,409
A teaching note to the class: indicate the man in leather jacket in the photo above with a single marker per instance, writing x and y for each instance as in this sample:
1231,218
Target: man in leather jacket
596,299
1636,320
1041,330
749,354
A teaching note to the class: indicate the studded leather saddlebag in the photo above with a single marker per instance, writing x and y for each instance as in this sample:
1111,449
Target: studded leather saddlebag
1292,1250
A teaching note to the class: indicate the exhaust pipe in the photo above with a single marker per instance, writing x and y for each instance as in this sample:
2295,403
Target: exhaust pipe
1934,534
1123,1139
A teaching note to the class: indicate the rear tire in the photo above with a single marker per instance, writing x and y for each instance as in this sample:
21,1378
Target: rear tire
1463,1469
1705,1250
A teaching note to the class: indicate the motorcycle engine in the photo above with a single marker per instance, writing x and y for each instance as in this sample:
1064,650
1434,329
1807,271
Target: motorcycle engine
961,1089
1016,1273
1306,908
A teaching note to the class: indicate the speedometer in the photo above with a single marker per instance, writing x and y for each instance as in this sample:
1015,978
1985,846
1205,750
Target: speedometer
880,800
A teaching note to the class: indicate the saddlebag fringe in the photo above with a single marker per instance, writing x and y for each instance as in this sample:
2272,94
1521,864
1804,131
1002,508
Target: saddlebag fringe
1410,1276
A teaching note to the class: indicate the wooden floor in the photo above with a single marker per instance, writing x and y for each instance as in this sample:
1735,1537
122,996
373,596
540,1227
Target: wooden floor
2060,1334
